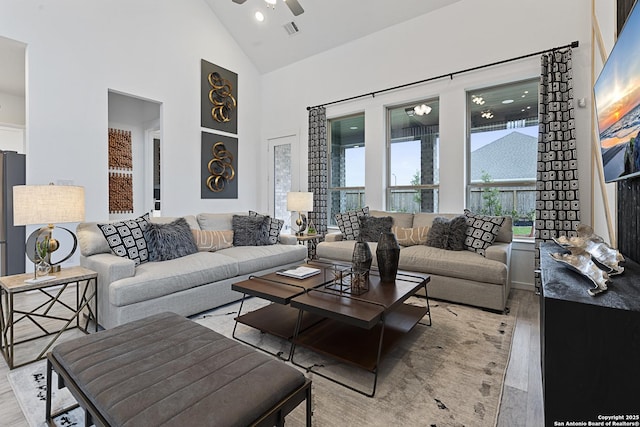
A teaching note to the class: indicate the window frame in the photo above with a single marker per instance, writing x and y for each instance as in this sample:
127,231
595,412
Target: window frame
503,186
391,188
359,190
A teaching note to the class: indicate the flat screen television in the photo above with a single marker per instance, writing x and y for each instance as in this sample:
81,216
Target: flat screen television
617,101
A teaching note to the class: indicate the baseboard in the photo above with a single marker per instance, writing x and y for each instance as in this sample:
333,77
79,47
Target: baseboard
523,286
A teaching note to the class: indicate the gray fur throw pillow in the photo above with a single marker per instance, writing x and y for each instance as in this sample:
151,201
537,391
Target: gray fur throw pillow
169,241
448,234
250,231
371,227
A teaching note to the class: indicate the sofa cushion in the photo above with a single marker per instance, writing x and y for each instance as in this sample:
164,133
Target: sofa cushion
126,238
215,221
156,279
482,231
411,236
348,222
252,259
400,219
459,264
91,240
341,250
371,228
275,225
448,233
169,241
212,240
250,231
191,220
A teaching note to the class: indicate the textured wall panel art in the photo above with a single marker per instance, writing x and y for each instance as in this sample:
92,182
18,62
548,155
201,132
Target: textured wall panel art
219,98
219,167
120,193
120,149
120,172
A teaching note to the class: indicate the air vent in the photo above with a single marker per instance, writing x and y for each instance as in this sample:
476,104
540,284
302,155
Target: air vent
291,28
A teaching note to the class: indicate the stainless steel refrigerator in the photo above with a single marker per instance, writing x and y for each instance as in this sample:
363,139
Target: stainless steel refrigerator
12,238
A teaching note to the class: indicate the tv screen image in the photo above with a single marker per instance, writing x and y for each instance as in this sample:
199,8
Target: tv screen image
617,101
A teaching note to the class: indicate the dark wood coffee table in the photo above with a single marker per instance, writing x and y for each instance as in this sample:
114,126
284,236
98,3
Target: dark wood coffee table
279,318
359,329
356,329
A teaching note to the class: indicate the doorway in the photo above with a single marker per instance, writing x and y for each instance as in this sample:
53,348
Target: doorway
283,177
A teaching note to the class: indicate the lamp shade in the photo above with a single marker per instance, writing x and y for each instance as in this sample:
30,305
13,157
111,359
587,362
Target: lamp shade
300,201
47,204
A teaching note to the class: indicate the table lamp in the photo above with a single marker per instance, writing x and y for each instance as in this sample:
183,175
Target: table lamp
300,201
47,204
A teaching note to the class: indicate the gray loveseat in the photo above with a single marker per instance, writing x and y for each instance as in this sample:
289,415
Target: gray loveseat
187,285
457,276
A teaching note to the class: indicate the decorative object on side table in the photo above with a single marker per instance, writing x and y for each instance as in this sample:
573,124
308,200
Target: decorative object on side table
301,201
591,257
388,256
47,204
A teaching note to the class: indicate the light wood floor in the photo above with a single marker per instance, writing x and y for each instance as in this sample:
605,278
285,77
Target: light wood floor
522,398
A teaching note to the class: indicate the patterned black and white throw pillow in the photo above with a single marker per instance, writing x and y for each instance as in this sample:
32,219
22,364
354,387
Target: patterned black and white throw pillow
482,231
275,225
126,238
348,222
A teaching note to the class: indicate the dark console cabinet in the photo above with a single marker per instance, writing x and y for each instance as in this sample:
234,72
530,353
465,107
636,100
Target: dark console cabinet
590,346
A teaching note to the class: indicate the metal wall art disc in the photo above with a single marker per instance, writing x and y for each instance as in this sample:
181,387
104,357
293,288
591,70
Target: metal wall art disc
219,167
219,98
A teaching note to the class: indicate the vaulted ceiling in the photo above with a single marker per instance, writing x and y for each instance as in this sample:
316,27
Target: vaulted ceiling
324,25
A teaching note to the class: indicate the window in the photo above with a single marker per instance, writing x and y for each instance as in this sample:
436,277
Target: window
346,164
503,144
412,145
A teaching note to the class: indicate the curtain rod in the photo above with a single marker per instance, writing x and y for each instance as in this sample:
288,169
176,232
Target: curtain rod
450,75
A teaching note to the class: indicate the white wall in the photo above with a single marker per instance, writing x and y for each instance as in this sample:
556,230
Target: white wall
467,34
78,50
12,109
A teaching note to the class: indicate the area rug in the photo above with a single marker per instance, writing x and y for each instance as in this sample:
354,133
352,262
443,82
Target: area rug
447,374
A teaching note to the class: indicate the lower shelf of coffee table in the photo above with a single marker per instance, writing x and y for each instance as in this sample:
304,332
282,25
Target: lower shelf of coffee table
359,346
277,319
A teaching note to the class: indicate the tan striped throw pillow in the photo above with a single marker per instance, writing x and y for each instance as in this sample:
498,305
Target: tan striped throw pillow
212,240
411,236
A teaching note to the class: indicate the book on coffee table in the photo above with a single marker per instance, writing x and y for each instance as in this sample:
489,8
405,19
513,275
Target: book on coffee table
299,272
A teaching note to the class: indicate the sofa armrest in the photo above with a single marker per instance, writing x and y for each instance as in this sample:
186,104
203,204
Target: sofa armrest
333,237
288,239
499,252
109,267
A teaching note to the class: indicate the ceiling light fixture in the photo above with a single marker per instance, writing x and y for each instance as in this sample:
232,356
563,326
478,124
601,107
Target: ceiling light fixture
487,114
507,101
477,100
421,110
259,16
271,3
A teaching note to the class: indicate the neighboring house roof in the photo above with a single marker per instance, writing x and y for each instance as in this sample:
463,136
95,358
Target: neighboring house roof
511,157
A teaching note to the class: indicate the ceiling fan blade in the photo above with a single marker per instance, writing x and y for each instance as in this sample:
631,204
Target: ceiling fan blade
294,6
239,1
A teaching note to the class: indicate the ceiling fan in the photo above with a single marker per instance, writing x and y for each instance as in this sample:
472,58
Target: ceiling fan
294,5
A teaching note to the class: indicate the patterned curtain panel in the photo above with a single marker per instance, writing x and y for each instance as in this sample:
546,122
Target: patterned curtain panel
557,197
318,169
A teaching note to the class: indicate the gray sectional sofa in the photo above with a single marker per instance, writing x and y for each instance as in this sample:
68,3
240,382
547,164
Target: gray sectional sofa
187,285
457,276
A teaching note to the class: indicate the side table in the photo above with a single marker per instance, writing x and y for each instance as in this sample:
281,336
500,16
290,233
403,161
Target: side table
55,310
311,240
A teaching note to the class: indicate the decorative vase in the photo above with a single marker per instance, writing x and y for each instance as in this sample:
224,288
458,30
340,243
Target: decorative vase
361,258
388,256
42,268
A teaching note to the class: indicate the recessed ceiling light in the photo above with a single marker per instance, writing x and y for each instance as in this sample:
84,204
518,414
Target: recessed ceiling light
353,127
259,16
526,92
507,101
